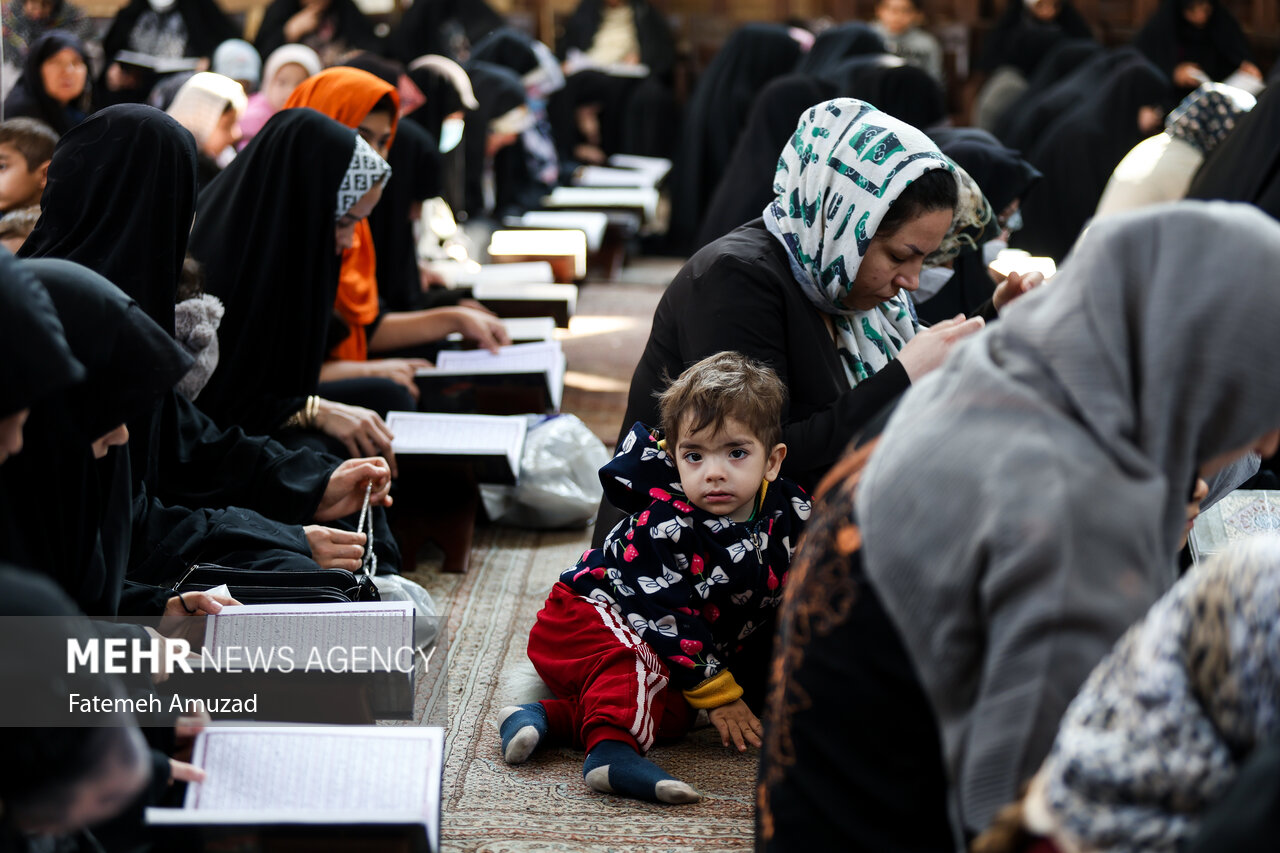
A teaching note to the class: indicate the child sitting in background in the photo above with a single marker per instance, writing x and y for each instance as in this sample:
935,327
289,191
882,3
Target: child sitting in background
26,147
677,587
899,23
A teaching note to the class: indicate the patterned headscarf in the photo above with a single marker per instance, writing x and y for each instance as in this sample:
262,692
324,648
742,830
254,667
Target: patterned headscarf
1207,115
365,171
1159,730
843,168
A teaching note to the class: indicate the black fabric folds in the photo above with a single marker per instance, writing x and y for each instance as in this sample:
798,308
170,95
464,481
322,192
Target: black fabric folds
350,26
748,187
498,91
29,97
898,88
90,211
207,27
833,46
56,500
443,27
1027,127
35,360
265,234
91,217
1003,176
1058,64
1246,165
718,112
1168,40
442,99
1078,153
1022,40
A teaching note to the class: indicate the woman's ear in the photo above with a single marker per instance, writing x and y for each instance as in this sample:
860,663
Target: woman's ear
776,456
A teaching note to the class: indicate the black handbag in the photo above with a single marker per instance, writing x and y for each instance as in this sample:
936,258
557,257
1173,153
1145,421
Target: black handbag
321,586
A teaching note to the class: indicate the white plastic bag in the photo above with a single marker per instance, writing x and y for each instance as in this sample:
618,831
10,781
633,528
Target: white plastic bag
426,621
559,482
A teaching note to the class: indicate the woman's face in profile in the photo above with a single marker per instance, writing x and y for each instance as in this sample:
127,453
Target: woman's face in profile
893,261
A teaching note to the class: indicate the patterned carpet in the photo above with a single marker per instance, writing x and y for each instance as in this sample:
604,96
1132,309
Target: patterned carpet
544,806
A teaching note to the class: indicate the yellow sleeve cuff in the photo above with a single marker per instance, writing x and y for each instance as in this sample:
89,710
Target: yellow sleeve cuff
718,690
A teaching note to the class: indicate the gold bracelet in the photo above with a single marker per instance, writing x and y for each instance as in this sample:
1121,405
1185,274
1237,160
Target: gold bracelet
312,418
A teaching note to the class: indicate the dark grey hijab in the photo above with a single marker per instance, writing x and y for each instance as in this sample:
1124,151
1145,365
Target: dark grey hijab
1026,501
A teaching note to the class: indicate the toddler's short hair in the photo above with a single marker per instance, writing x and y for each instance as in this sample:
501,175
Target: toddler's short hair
34,140
721,386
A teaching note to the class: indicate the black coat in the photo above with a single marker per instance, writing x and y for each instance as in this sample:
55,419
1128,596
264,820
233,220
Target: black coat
1168,40
747,183
1021,40
739,294
90,216
351,27
1078,153
1058,64
265,234
718,113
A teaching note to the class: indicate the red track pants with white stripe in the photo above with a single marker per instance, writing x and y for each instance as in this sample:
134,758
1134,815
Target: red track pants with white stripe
610,685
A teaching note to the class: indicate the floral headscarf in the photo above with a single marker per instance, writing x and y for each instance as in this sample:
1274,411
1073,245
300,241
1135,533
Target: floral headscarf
836,179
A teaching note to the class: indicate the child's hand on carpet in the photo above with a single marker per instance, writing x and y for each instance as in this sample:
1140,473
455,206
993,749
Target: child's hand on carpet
735,722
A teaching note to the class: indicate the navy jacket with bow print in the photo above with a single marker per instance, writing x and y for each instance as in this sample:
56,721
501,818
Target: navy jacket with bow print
693,585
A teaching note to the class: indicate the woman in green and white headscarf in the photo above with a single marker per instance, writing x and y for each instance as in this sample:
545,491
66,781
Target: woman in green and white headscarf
814,288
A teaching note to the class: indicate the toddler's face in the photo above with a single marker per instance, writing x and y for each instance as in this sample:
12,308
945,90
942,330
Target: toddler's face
19,185
281,86
721,471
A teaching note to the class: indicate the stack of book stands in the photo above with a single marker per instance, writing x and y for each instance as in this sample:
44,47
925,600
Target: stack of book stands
453,452
326,789
518,290
564,248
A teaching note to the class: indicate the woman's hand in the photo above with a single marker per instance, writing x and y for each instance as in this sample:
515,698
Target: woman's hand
181,771
335,549
183,617
1188,75
303,23
344,495
481,327
399,370
1249,68
1014,286
930,347
736,722
360,430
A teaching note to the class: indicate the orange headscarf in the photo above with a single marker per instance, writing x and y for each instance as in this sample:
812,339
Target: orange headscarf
347,95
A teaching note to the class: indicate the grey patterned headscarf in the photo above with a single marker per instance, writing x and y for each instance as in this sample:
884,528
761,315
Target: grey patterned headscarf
1159,730
843,168
1025,503
1207,115
365,171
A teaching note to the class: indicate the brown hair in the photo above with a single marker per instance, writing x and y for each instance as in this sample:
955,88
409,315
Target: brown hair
721,386
34,140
